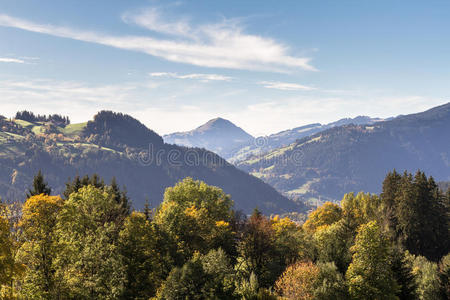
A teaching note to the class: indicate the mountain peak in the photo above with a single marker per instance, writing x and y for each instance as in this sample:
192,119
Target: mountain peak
218,135
217,123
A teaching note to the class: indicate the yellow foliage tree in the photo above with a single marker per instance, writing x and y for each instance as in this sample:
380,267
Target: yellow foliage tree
324,215
39,218
10,269
298,281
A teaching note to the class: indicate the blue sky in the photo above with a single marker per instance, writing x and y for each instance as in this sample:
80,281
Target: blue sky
265,65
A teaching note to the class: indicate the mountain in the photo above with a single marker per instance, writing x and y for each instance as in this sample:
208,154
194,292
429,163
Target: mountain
444,186
113,144
287,137
357,157
218,135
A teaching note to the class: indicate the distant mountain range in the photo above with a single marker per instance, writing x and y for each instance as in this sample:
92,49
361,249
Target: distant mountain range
330,163
287,137
217,135
113,144
234,144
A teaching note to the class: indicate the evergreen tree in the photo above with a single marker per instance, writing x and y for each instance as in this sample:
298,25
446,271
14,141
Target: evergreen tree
39,186
403,275
72,186
120,196
389,195
147,210
416,214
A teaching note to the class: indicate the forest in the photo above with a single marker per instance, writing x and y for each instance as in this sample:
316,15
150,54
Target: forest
88,243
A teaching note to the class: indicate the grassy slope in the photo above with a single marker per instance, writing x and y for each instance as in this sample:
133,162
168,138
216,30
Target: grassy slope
73,130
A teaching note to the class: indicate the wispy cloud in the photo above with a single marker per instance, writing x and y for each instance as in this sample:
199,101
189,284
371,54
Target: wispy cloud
285,86
11,60
63,93
220,45
201,77
150,18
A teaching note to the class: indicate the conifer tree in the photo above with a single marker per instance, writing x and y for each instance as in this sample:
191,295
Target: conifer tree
39,186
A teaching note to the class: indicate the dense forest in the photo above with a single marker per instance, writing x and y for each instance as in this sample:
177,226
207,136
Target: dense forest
89,244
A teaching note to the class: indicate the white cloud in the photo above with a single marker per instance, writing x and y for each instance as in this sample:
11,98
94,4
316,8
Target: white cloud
201,77
222,45
11,60
285,86
150,19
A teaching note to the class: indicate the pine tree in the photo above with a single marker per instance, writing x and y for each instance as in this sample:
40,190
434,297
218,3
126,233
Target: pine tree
39,186
420,214
72,186
120,196
390,192
147,210
402,270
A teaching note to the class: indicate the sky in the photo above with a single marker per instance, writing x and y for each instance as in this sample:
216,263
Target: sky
264,65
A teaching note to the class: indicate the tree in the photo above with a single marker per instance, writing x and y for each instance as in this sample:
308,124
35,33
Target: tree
333,244
10,268
217,265
403,274
298,281
39,249
444,274
257,250
330,284
120,196
369,275
39,186
422,218
197,217
89,261
391,188
427,277
202,277
291,242
146,254
324,215
360,209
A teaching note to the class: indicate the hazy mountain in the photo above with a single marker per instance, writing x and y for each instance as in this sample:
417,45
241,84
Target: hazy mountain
217,135
117,145
287,137
357,157
444,185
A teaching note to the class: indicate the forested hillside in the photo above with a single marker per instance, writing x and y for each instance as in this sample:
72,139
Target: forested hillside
287,137
116,145
356,157
89,244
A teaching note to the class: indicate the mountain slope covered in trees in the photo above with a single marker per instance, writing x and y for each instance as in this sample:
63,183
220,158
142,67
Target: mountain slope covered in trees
355,157
116,145
287,137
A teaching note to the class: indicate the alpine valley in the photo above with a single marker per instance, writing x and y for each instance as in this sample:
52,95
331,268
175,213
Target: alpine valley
352,154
